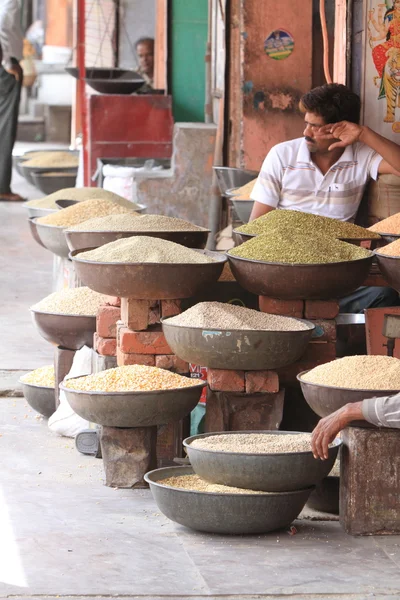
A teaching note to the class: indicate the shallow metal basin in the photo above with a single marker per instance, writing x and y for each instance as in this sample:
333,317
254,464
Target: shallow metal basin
49,185
237,349
300,281
146,281
41,399
53,239
231,177
233,514
134,409
68,331
268,472
326,399
389,266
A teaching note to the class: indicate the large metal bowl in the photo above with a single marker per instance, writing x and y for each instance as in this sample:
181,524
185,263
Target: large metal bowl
300,281
232,514
34,232
389,266
41,399
77,240
35,212
326,399
68,331
245,350
325,497
146,281
230,177
243,208
52,238
49,185
134,409
284,472
29,171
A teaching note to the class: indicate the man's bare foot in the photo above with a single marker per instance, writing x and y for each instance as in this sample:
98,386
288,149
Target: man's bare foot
11,198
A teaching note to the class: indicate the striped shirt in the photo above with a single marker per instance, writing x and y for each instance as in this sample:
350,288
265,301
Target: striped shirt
383,412
289,179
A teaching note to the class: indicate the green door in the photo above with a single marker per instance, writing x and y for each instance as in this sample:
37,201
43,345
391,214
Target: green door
188,43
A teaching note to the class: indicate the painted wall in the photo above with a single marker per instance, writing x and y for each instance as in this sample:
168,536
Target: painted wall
138,19
188,40
267,80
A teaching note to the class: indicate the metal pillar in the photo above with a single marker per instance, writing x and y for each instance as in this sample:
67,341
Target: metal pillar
81,31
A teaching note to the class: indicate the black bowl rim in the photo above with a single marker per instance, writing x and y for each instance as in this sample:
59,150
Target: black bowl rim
310,265
187,442
219,259
197,386
39,387
42,312
218,494
311,327
333,387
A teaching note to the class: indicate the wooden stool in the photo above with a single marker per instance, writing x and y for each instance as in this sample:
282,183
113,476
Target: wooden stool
370,481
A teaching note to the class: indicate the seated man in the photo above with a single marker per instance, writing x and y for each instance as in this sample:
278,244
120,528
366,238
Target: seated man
145,54
326,172
382,412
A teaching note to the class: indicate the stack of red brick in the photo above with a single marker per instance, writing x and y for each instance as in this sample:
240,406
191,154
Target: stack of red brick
322,348
105,338
140,340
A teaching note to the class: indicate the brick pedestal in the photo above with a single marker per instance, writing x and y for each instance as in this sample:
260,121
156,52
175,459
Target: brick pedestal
370,481
128,454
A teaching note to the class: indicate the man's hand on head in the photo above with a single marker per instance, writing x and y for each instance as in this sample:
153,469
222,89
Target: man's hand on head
347,134
328,428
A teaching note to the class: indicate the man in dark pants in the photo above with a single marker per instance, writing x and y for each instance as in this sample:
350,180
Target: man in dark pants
10,93
11,42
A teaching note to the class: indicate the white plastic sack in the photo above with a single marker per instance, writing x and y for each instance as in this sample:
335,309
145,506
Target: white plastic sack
65,421
121,180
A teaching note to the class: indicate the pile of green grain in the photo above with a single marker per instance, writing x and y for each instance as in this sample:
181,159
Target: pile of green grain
294,221
144,249
142,223
78,213
298,248
52,160
358,372
80,301
79,194
216,315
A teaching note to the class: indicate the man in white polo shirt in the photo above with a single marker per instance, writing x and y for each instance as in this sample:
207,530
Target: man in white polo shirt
326,171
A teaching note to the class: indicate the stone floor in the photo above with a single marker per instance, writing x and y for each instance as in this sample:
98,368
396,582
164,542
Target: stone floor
63,534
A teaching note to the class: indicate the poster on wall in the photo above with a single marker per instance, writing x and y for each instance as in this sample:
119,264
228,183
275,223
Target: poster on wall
381,89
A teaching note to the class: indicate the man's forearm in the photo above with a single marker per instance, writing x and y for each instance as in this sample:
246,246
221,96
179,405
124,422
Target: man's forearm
390,151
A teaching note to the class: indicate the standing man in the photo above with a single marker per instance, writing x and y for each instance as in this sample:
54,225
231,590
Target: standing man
11,47
326,171
145,53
